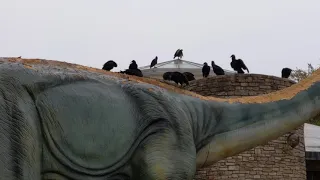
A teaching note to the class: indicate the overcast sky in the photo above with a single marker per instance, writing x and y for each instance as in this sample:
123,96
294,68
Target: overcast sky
284,33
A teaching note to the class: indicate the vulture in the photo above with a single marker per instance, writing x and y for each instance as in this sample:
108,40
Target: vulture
133,72
217,69
154,62
133,65
238,65
167,76
109,65
178,54
189,76
205,70
285,73
178,77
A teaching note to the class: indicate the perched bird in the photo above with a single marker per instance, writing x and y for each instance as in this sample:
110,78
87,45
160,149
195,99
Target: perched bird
154,62
286,72
233,61
178,54
205,70
238,65
133,65
217,69
189,76
178,77
167,76
109,65
133,72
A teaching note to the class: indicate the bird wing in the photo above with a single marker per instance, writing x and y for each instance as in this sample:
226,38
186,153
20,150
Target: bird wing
232,64
243,65
220,69
153,62
176,53
181,53
203,69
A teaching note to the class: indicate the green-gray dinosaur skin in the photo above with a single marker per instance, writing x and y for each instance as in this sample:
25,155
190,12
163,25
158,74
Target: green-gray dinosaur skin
57,124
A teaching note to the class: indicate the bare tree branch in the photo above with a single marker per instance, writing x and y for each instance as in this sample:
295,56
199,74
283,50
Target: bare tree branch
299,74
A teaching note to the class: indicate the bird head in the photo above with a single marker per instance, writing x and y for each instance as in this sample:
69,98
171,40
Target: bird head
232,56
133,61
205,64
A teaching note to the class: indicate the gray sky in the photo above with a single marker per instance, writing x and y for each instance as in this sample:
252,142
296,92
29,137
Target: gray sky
261,32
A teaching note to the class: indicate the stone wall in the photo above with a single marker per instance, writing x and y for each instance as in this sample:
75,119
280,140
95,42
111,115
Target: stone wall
238,85
275,160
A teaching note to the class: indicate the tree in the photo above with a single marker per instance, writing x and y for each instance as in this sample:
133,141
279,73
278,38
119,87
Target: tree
299,74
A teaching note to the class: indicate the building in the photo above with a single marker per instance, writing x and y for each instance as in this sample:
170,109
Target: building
176,65
312,151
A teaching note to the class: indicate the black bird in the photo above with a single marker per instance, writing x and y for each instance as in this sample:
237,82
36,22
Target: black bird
154,62
286,72
233,61
178,77
217,69
189,76
167,76
205,70
109,65
133,65
238,65
133,72
178,54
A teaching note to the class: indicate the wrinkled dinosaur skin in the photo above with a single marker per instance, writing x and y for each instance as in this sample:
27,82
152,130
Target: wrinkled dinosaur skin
63,123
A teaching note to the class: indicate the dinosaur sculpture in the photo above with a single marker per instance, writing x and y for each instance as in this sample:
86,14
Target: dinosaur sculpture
66,121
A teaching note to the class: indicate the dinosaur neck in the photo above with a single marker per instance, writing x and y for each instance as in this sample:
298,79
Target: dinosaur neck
223,130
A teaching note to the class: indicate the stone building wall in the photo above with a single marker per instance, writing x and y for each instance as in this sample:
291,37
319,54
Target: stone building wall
275,160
